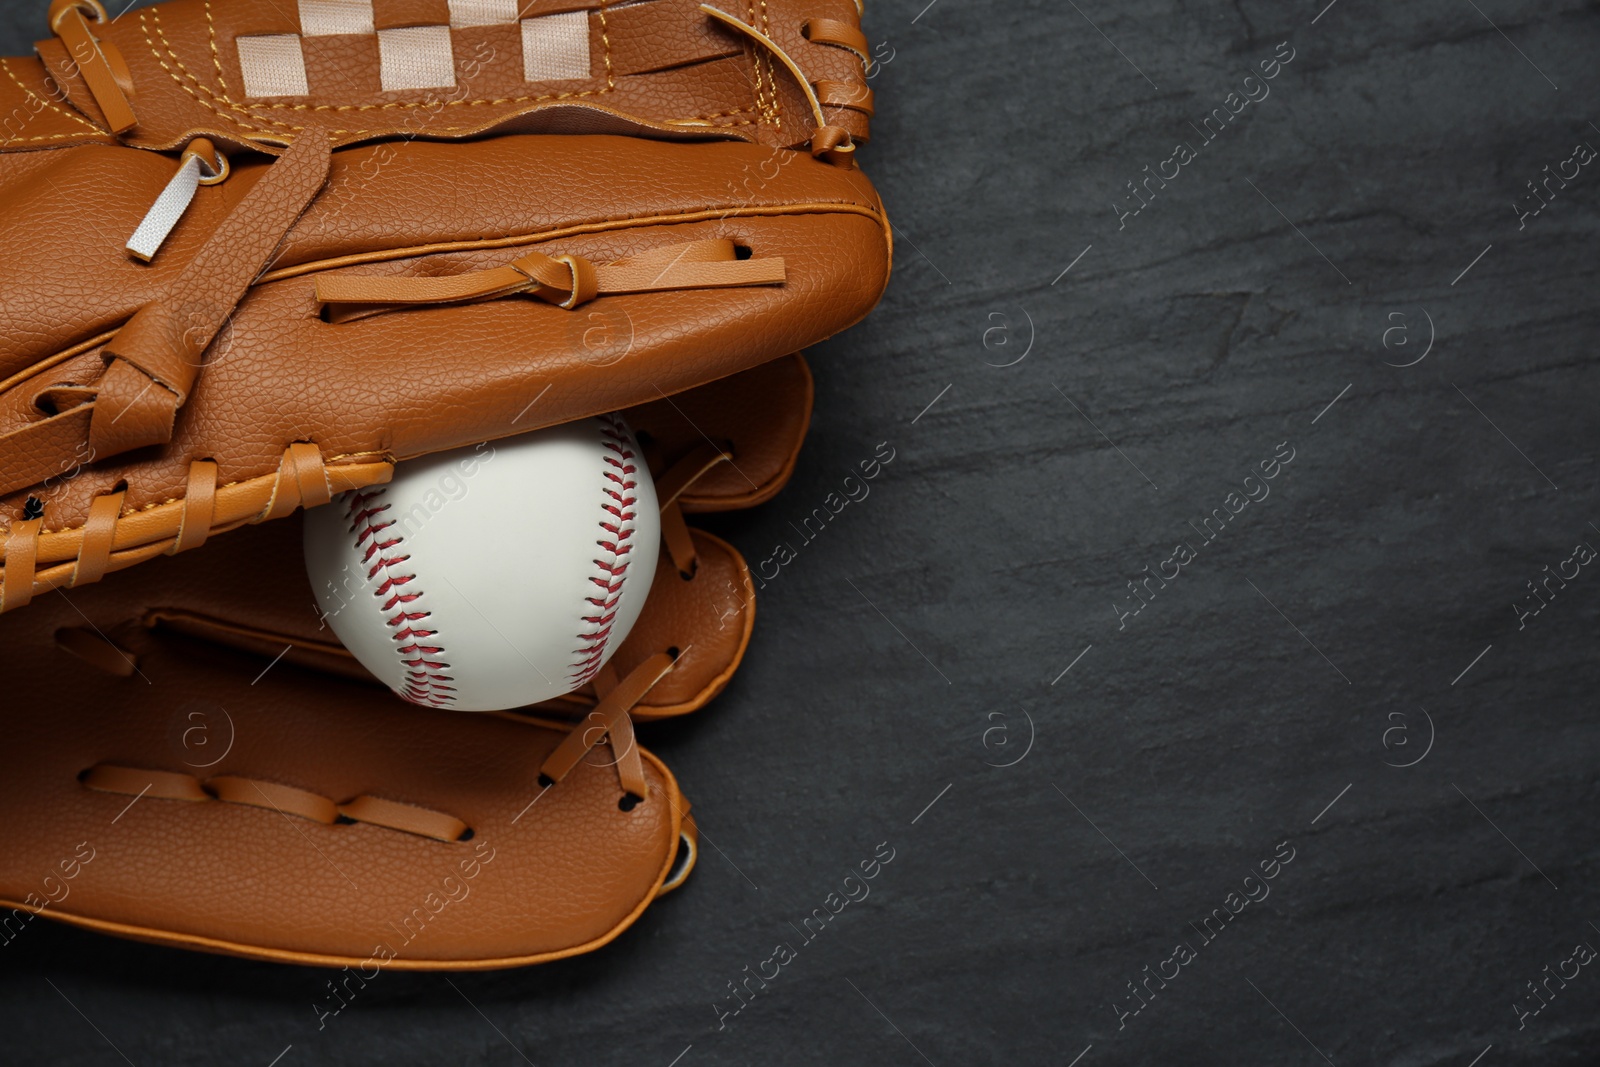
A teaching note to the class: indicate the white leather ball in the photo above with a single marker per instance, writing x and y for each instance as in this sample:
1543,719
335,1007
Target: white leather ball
492,577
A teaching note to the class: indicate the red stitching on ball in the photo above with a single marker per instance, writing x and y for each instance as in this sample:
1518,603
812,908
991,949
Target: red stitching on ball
611,570
425,677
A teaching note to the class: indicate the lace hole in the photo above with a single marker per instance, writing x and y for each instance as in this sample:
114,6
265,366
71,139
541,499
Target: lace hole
545,781
628,802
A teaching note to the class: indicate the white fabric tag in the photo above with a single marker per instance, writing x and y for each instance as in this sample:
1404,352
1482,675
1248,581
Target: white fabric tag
166,211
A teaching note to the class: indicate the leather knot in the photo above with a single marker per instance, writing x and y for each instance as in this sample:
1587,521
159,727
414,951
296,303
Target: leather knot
585,281
833,144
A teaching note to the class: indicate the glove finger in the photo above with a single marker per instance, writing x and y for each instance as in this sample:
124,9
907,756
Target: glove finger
289,407
760,415
192,798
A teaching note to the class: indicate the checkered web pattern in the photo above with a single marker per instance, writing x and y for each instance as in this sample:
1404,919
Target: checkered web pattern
554,47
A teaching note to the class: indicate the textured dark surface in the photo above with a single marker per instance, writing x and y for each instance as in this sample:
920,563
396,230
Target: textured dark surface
921,639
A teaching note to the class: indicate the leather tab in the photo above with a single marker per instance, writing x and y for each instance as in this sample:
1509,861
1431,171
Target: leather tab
274,797
302,481
98,532
680,544
846,94
105,77
407,818
22,549
43,449
838,34
130,781
131,411
199,506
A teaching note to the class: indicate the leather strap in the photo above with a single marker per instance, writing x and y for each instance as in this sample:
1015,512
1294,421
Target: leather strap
34,560
605,679
199,505
673,483
130,781
22,548
99,62
275,796
44,449
566,281
839,34
829,142
694,465
846,94
155,358
679,541
406,818
98,534
302,481
609,719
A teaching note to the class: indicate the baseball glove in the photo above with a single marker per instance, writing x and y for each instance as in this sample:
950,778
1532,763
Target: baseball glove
256,253
216,772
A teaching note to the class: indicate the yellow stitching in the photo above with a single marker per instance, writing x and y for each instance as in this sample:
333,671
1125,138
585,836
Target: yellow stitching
53,137
35,96
224,96
723,114
216,57
772,85
155,54
755,63
605,44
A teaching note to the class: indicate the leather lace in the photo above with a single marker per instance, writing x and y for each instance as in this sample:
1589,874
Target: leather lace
828,142
610,718
38,560
566,281
101,65
275,796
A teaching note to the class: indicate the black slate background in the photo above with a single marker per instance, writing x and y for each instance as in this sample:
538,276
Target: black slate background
1361,609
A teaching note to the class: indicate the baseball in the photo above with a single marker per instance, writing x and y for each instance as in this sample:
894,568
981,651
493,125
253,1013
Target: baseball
492,577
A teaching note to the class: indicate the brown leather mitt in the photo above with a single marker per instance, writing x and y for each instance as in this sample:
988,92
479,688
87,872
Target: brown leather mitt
215,772
255,252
